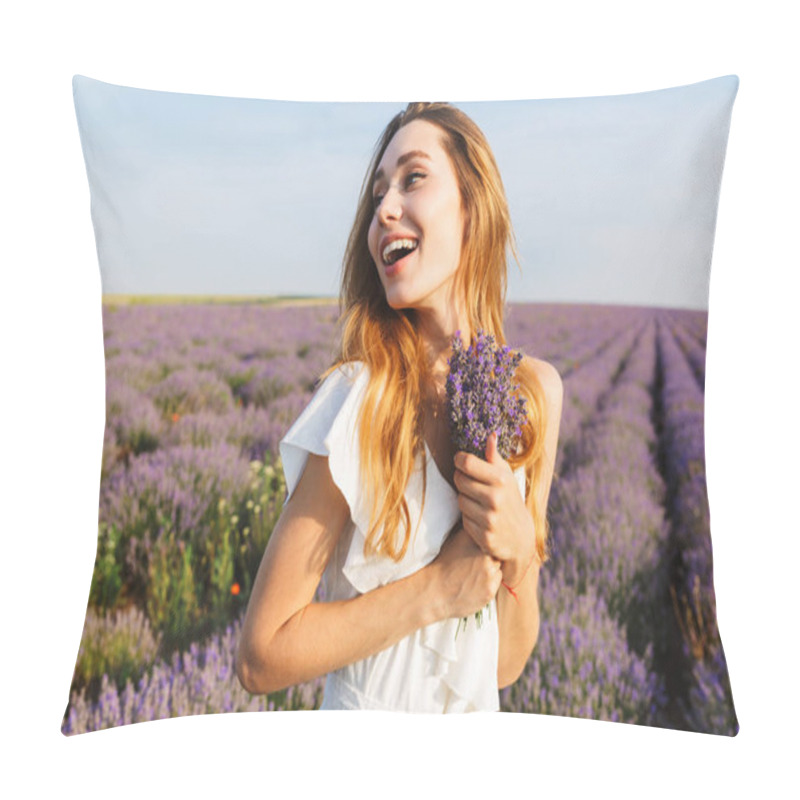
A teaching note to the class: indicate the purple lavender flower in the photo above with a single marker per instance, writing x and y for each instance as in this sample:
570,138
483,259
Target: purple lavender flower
481,396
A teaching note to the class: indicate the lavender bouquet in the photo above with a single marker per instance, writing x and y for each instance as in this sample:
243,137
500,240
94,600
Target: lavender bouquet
482,398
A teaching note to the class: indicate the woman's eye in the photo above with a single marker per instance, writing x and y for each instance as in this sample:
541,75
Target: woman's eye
376,199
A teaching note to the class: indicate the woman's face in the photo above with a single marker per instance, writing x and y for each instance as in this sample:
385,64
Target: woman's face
417,205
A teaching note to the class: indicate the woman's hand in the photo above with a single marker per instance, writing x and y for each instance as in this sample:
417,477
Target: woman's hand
466,578
493,511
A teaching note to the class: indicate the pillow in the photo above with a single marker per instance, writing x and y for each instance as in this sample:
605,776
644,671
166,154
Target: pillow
220,226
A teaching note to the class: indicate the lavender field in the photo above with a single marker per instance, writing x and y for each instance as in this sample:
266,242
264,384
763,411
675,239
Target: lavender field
198,397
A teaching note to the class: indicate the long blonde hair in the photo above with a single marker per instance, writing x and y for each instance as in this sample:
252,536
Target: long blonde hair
387,339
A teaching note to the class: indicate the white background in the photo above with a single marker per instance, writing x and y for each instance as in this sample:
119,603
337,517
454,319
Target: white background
53,402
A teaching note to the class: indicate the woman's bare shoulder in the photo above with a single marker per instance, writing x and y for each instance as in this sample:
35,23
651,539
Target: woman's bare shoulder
548,377
553,388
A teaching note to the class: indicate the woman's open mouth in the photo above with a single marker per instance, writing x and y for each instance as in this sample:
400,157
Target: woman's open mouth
396,253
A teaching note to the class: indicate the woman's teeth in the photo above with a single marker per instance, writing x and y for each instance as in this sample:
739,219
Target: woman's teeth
396,245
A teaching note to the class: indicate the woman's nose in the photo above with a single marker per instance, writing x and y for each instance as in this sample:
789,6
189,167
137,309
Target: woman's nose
390,207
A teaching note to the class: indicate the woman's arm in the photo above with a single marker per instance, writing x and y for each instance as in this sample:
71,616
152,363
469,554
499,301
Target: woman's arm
287,639
497,519
518,618
518,621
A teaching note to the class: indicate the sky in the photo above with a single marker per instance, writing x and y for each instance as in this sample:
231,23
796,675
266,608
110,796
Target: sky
613,199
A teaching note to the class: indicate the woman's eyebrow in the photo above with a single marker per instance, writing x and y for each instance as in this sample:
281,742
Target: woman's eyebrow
402,160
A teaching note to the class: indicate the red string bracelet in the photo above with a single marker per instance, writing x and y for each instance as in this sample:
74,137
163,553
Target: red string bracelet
510,590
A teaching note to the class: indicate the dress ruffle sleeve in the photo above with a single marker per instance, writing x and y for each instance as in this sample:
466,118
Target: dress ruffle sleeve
328,427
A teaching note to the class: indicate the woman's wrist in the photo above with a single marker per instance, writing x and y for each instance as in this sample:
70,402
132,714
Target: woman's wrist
516,570
428,591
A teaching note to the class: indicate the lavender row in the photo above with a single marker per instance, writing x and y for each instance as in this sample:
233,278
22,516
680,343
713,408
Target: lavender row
584,387
695,352
695,323
684,459
607,525
200,681
582,665
607,508
710,705
568,336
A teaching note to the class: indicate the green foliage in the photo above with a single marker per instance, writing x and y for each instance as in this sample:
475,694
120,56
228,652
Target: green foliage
260,513
107,577
142,441
238,380
172,602
269,389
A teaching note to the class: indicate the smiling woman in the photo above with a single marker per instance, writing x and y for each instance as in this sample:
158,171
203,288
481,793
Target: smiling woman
402,558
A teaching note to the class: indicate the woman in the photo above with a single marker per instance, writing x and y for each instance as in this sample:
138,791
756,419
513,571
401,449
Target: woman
408,535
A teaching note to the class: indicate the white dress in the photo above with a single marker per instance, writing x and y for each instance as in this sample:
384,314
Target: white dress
431,670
